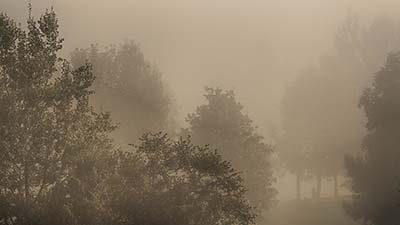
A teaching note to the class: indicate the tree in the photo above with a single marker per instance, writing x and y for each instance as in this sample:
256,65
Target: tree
173,182
129,87
57,162
374,176
294,145
319,119
364,48
221,124
316,134
51,139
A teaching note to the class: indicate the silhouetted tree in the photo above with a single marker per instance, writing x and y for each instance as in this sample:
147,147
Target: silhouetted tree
315,131
57,164
222,124
51,139
167,182
129,87
316,135
294,145
374,174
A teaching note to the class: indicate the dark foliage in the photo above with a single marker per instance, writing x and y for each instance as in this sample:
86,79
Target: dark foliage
374,175
57,162
51,138
163,182
221,124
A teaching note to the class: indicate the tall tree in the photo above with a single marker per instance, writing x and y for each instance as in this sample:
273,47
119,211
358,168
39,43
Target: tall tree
294,146
374,174
313,142
129,87
50,137
222,124
315,130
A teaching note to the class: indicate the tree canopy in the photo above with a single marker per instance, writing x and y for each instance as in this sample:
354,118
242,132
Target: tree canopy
320,120
57,160
374,176
129,87
50,137
164,181
221,123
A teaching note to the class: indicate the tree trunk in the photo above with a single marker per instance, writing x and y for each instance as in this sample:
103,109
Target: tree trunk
26,182
336,188
298,188
319,184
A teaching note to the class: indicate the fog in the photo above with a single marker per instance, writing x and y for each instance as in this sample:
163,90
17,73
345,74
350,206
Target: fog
260,49
254,47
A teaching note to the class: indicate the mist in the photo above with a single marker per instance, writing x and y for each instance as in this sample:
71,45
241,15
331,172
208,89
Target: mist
243,45
294,75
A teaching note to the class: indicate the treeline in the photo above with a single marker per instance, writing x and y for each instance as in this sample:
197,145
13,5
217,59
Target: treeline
93,139
326,136
65,126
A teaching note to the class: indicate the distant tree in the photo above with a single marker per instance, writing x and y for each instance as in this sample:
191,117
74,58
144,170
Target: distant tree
222,124
319,119
374,174
129,87
51,139
294,147
316,134
167,182
364,48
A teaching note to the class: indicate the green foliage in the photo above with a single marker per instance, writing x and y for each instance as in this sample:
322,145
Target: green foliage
221,124
50,136
374,175
162,181
129,87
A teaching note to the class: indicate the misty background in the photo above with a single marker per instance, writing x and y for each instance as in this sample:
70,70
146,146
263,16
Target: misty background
257,48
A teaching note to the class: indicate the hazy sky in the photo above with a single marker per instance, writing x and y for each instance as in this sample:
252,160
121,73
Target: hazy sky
252,46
